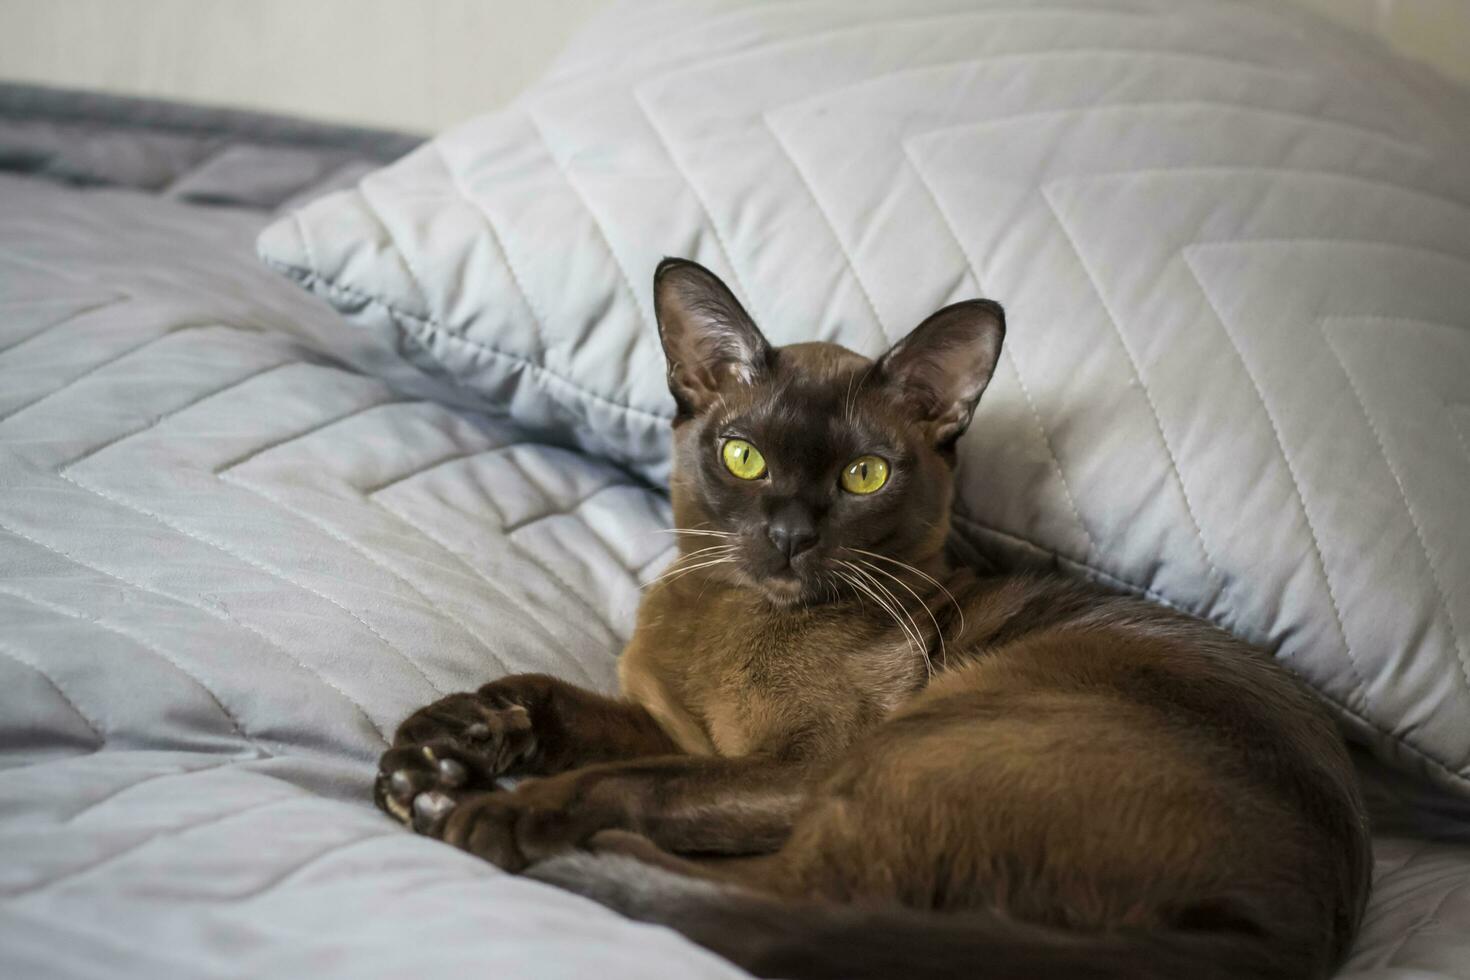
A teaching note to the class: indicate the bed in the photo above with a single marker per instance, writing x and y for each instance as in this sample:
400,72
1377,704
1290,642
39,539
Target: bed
241,538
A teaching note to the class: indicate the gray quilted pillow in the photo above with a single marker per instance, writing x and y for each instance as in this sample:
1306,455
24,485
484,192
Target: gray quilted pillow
1234,247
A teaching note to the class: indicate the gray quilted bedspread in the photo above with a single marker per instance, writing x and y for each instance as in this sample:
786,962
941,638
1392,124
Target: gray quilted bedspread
233,557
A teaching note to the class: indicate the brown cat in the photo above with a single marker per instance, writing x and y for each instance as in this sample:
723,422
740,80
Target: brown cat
838,756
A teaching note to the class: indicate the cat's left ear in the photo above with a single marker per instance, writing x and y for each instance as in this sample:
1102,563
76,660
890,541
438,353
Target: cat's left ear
943,366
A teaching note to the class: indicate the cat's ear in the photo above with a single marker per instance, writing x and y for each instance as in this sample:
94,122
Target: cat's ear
941,369
709,340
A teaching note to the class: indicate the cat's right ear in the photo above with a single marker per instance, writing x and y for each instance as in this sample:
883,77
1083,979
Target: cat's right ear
710,342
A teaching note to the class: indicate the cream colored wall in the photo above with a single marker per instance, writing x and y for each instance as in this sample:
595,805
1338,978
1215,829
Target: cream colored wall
418,64
1436,32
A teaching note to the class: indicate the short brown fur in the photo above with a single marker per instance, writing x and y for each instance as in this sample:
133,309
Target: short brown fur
1012,776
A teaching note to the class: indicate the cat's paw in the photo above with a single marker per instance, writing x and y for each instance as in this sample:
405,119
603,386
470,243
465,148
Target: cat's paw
462,742
511,830
409,771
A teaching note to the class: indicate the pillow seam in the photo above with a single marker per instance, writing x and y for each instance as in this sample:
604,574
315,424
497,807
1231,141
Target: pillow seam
312,279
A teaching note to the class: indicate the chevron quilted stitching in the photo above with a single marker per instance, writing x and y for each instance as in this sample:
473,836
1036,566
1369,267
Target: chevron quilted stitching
94,804
227,472
534,560
508,602
1427,921
531,555
714,222
300,870
1242,107
885,338
10,589
750,299
92,868
224,548
945,217
716,225
511,265
155,420
634,293
571,592
371,494
336,535
9,653
572,509
1321,564
217,613
225,469
1325,176
1438,253
609,546
1449,272
414,474
404,255
1434,569
71,315
103,365
1092,554
1009,353
1410,930
259,566
1144,388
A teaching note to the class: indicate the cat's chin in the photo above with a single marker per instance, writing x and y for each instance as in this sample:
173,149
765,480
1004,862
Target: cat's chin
780,584
785,589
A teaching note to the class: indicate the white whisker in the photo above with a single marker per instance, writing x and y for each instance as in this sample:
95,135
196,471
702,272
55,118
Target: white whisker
923,575
695,530
862,589
702,554
722,560
938,630
917,633
695,568
890,603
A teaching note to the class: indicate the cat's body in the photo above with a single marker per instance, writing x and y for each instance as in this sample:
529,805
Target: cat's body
839,756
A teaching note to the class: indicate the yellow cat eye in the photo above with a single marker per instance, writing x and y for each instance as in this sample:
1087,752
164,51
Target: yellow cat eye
866,474
743,459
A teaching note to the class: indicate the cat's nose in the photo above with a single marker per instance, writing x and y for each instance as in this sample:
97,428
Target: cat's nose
791,530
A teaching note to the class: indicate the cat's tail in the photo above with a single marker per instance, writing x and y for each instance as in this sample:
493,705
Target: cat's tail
772,937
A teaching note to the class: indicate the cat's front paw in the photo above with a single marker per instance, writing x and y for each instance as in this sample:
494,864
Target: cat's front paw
511,830
462,742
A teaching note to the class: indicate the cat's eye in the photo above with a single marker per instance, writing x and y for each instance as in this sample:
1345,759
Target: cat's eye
743,459
865,475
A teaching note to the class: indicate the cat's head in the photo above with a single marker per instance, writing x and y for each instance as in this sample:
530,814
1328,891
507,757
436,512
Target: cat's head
795,460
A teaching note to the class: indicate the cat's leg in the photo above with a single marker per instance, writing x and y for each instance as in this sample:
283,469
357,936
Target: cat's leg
525,724
707,805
